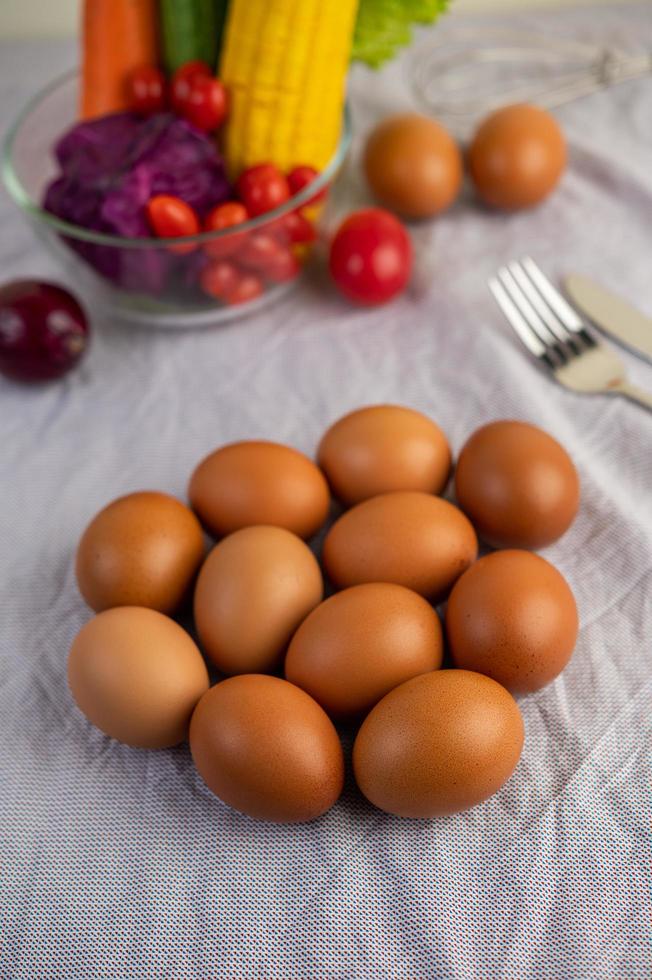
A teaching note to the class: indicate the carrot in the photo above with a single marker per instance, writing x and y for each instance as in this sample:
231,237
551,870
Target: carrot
117,37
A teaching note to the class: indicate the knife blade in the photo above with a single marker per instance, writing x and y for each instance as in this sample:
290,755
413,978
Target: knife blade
612,314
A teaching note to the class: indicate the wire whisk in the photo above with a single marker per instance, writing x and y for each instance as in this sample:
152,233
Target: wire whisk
460,75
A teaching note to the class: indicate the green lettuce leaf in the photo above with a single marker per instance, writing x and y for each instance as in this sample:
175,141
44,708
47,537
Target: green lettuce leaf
383,26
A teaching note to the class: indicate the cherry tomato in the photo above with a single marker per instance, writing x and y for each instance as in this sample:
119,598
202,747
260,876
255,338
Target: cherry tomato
182,80
260,250
371,257
219,278
206,105
296,228
170,217
300,177
224,216
147,89
247,288
283,267
262,188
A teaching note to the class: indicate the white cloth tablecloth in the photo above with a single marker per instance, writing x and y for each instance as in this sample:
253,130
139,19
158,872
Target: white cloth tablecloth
119,864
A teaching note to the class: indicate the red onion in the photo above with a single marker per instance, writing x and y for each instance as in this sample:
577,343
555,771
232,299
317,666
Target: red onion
43,330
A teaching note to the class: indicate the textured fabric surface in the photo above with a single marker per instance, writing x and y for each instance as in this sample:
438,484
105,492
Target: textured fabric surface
119,864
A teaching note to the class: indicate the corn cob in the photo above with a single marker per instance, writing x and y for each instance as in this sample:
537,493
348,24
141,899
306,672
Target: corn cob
284,63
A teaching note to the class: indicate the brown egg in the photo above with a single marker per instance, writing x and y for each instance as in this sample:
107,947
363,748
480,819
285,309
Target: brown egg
267,749
413,165
517,485
254,589
361,643
382,448
250,483
141,550
137,676
513,617
517,156
438,744
409,538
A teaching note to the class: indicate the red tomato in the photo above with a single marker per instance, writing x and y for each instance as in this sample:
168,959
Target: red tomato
262,188
260,250
219,278
247,288
296,229
225,216
371,257
182,80
206,105
147,90
300,177
170,217
283,268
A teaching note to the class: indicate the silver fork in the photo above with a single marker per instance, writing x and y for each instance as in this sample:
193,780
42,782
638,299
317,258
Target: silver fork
552,330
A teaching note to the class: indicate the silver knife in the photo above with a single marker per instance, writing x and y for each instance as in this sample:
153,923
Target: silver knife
612,314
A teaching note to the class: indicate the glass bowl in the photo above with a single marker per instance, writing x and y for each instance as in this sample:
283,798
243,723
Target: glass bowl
155,282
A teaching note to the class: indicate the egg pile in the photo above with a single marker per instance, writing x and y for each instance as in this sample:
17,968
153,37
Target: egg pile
430,741
515,159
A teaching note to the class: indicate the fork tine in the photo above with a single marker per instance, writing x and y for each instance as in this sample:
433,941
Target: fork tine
530,315
562,310
555,300
518,323
538,303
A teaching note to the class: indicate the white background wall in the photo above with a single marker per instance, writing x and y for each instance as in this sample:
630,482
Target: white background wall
34,18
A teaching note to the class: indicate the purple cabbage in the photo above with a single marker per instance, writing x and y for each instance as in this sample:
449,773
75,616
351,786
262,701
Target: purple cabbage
111,167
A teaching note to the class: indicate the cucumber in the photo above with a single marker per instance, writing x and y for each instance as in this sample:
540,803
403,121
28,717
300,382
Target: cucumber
190,31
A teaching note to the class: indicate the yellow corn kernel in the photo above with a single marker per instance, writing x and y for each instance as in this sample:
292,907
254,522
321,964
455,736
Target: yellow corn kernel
285,64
